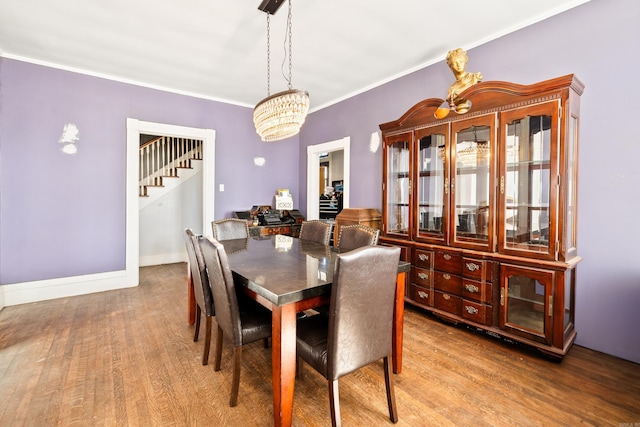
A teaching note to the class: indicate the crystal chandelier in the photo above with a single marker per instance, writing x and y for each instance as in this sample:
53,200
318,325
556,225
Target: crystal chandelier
469,153
281,115
476,153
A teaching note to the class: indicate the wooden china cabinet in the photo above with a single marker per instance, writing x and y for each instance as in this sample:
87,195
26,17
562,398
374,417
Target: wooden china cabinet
484,206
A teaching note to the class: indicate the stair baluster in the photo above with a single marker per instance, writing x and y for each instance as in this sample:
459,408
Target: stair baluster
162,156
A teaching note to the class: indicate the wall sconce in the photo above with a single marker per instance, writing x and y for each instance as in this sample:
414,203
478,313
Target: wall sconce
70,135
374,142
259,161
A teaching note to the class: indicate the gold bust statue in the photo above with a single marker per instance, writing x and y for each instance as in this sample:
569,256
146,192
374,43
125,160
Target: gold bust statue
457,60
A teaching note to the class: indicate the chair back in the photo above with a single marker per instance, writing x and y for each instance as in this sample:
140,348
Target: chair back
230,228
316,231
361,309
201,288
355,236
222,288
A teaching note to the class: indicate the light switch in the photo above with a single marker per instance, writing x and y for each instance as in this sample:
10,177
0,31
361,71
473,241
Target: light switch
221,187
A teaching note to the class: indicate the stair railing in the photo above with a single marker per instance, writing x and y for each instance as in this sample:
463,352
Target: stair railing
162,156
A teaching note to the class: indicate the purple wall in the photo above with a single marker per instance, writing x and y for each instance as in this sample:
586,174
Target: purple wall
597,41
64,215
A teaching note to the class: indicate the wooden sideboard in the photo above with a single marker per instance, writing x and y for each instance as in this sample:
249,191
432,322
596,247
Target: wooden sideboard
269,230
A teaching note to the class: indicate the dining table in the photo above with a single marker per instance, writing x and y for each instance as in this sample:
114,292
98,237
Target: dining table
289,276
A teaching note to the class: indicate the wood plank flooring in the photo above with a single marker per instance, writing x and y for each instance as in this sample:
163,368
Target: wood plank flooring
127,358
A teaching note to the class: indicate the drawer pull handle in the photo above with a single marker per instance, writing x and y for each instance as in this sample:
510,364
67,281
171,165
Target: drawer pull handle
472,266
447,257
423,294
446,296
472,288
423,257
446,276
470,309
423,276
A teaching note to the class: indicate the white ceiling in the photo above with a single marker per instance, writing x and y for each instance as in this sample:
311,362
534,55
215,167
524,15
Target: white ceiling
217,49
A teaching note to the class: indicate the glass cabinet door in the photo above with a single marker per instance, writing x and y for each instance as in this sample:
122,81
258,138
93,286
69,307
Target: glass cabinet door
569,248
526,302
430,188
397,184
529,180
472,183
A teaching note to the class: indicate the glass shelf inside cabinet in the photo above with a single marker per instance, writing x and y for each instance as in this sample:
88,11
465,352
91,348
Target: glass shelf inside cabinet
527,183
472,183
430,186
398,181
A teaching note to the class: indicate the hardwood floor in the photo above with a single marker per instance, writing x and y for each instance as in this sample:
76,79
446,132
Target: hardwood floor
127,358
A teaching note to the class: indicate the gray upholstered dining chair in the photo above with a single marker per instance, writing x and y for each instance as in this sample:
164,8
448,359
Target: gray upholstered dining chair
355,236
241,320
201,290
316,231
352,334
230,228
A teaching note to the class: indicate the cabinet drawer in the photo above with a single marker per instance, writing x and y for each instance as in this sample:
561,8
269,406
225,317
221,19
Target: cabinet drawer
447,282
448,261
447,302
478,269
476,312
477,291
424,258
422,277
421,295
474,268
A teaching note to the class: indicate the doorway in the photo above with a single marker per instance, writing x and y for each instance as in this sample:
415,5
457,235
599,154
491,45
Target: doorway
313,173
134,129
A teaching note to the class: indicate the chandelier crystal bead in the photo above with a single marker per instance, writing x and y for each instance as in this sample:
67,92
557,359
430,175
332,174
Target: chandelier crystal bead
281,115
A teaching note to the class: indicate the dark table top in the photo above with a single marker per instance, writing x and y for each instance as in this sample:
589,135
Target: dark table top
284,269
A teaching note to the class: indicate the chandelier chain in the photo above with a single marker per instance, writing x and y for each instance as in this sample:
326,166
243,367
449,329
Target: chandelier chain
289,24
268,55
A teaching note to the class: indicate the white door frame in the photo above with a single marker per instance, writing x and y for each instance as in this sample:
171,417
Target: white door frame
134,129
313,173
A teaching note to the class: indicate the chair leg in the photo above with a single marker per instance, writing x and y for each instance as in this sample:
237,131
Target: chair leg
197,330
235,383
266,342
299,368
334,402
218,355
391,395
207,342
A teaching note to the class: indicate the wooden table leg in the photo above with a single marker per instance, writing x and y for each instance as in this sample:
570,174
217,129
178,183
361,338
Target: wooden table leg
398,323
191,298
283,351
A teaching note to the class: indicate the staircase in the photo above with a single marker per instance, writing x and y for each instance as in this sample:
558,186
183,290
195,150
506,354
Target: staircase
164,161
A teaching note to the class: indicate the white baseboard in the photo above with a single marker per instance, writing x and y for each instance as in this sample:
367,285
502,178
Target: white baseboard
27,292
149,260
